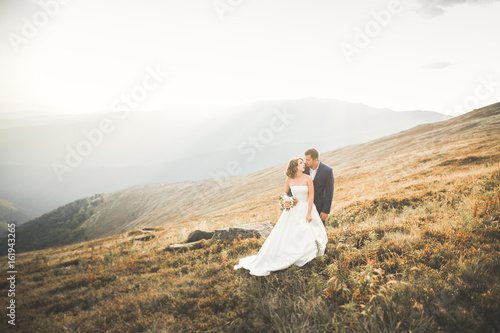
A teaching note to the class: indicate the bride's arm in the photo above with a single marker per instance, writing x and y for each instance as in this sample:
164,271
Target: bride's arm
287,185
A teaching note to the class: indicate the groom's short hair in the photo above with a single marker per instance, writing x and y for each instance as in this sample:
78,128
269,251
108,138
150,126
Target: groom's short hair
313,152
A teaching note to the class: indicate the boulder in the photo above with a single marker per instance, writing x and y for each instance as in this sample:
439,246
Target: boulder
70,263
186,246
198,235
145,238
258,230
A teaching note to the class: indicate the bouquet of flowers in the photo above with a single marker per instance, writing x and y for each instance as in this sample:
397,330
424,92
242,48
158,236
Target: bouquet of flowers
285,202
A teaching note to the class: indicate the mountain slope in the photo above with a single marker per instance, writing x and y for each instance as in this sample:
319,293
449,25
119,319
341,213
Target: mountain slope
58,227
6,209
413,245
167,204
150,147
9,213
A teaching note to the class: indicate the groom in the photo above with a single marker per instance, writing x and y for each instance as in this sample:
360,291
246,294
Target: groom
322,176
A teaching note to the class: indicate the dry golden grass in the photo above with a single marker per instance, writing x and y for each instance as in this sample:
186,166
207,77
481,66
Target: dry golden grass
414,245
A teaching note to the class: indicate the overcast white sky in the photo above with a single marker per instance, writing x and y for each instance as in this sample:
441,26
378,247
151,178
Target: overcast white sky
432,55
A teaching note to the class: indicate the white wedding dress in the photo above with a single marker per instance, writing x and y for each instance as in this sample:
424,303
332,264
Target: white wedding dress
292,241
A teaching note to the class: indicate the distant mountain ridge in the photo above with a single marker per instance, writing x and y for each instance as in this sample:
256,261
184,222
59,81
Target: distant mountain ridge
10,213
167,204
151,147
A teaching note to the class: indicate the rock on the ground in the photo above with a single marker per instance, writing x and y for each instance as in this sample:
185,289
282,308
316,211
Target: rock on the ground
185,246
145,238
198,235
258,230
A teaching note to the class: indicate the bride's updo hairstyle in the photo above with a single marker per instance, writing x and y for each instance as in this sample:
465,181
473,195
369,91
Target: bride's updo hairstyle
291,169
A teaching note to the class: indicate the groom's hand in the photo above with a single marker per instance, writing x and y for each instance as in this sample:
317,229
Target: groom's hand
323,216
295,200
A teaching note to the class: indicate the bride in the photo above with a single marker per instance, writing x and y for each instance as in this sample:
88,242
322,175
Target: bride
298,236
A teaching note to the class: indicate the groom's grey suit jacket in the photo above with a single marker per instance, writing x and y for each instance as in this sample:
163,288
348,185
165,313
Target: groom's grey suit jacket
323,188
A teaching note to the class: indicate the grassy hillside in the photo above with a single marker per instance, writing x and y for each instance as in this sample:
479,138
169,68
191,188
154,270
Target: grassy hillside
58,227
414,245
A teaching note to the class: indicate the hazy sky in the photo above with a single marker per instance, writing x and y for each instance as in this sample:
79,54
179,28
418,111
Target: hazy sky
80,56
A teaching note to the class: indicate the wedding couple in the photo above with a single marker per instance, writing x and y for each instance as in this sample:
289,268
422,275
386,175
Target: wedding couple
299,235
